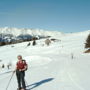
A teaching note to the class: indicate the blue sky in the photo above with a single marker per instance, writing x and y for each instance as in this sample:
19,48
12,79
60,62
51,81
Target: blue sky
62,15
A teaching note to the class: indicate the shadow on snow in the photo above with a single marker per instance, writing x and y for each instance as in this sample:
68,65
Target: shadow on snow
34,85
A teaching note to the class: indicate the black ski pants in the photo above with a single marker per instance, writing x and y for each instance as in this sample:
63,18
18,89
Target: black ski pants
20,79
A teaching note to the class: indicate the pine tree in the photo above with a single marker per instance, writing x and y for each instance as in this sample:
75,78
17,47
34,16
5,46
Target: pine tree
87,44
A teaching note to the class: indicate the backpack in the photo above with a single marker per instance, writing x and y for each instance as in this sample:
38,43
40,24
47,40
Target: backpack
24,61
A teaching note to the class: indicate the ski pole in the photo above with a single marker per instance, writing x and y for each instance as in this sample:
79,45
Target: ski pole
9,81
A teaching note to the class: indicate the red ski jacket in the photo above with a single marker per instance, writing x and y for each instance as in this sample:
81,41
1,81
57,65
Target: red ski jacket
21,64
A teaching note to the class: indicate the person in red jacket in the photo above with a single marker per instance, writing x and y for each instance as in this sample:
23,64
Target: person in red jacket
21,67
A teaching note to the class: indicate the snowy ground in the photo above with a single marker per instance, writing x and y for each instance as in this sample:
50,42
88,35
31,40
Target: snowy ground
50,67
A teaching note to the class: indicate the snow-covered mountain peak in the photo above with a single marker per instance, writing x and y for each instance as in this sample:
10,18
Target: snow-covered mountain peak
23,31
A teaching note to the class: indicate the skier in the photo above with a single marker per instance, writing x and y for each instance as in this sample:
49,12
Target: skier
3,66
21,67
34,42
28,44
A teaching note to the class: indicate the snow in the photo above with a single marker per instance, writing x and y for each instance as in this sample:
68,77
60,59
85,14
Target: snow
37,60
23,31
50,67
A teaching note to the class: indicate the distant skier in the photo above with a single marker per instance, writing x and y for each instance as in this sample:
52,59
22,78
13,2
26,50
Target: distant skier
34,42
28,44
3,66
9,65
72,56
21,67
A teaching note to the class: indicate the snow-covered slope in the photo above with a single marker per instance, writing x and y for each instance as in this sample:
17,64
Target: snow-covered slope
60,66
